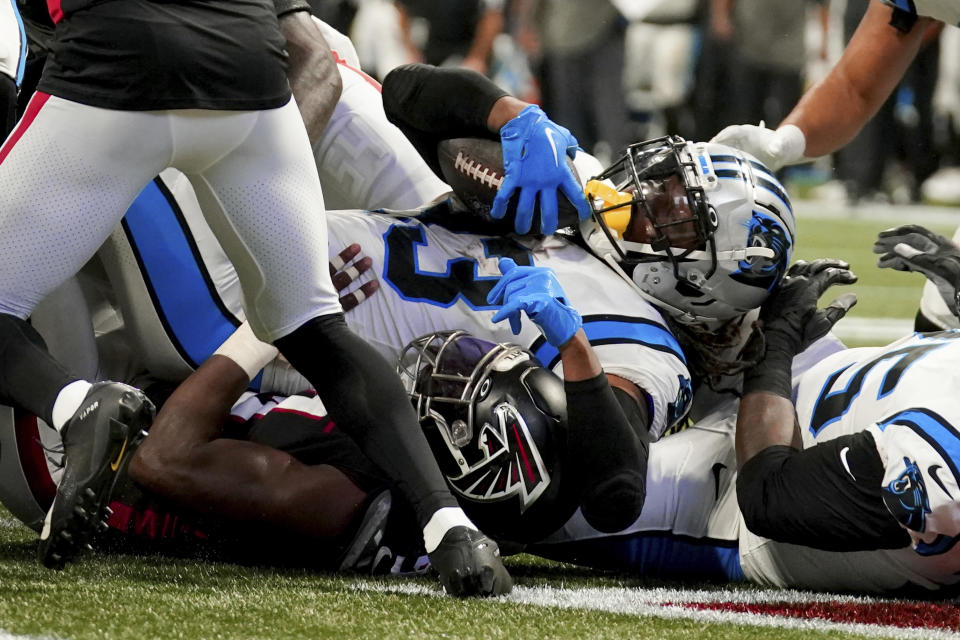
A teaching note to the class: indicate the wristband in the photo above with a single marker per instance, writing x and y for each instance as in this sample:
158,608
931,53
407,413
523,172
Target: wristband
247,350
774,373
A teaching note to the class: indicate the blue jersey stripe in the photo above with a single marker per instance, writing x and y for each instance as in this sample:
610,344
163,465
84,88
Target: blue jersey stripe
183,293
23,44
609,329
937,432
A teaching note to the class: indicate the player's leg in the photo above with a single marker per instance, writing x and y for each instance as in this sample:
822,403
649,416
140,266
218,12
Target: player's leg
275,234
66,176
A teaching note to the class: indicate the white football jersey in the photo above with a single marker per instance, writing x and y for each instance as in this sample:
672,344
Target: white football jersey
905,394
434,279
947,11
178,311
691,488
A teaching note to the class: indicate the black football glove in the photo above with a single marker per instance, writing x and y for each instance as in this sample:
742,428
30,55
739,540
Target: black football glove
911,247
790,320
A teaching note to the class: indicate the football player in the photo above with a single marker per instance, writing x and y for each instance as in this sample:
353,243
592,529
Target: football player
217,104
864,460
887,40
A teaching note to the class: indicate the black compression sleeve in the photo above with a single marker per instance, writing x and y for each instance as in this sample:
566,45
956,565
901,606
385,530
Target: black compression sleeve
810,498
365,398
430,104
611,446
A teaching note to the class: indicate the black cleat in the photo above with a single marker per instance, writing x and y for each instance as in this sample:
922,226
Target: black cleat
469,564
98,441
362,550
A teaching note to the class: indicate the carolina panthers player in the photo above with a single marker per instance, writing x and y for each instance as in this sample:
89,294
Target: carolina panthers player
866,456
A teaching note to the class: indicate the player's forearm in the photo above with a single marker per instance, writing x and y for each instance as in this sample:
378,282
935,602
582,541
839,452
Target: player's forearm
312,71
578,358
834,110
608,436
764,420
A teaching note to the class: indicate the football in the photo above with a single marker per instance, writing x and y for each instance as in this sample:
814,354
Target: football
473,167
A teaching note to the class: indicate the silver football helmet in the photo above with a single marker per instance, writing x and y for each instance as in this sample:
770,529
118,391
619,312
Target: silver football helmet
704,231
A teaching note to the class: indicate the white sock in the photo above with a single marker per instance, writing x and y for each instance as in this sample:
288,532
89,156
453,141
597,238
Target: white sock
68,401
442,521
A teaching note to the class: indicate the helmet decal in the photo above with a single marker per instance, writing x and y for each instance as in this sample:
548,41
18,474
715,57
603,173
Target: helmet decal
510,463
765,231
906,497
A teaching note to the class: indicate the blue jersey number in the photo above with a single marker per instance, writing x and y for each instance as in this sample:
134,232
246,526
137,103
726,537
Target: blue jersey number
832,405
461,279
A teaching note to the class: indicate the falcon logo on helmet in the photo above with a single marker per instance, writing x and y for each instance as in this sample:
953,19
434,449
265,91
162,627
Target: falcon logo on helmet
496,423
509,464
702,230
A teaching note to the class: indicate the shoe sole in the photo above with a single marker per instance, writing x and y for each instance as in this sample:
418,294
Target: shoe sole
86,516
374,518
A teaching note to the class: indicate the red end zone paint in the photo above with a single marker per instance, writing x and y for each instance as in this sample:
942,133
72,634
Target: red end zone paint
927,615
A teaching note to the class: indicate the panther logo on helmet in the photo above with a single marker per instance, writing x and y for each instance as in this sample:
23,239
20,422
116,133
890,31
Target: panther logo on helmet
495,420
702,230
906,497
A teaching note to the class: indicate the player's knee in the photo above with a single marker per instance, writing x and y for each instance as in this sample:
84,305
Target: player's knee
616,503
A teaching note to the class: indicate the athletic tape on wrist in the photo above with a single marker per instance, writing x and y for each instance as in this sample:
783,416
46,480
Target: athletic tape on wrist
247,351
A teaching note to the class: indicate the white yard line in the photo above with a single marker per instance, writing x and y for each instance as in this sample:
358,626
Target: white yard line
654,602
880,330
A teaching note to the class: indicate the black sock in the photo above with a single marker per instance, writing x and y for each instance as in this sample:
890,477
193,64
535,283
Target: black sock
365,398
30,378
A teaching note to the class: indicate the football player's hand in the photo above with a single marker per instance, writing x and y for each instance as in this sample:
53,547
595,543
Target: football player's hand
911,247
791,310
774,148
536,292
345,269
533,162
790,321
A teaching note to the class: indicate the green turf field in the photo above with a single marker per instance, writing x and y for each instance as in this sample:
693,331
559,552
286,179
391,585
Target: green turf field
132,597
881,293
136,597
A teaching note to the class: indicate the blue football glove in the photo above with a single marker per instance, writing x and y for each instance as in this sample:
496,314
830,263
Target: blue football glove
533,148
534,290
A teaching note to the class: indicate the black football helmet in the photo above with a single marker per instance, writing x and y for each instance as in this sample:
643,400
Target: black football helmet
496,422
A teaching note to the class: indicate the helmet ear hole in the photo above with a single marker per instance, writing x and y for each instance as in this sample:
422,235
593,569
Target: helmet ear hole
713,221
